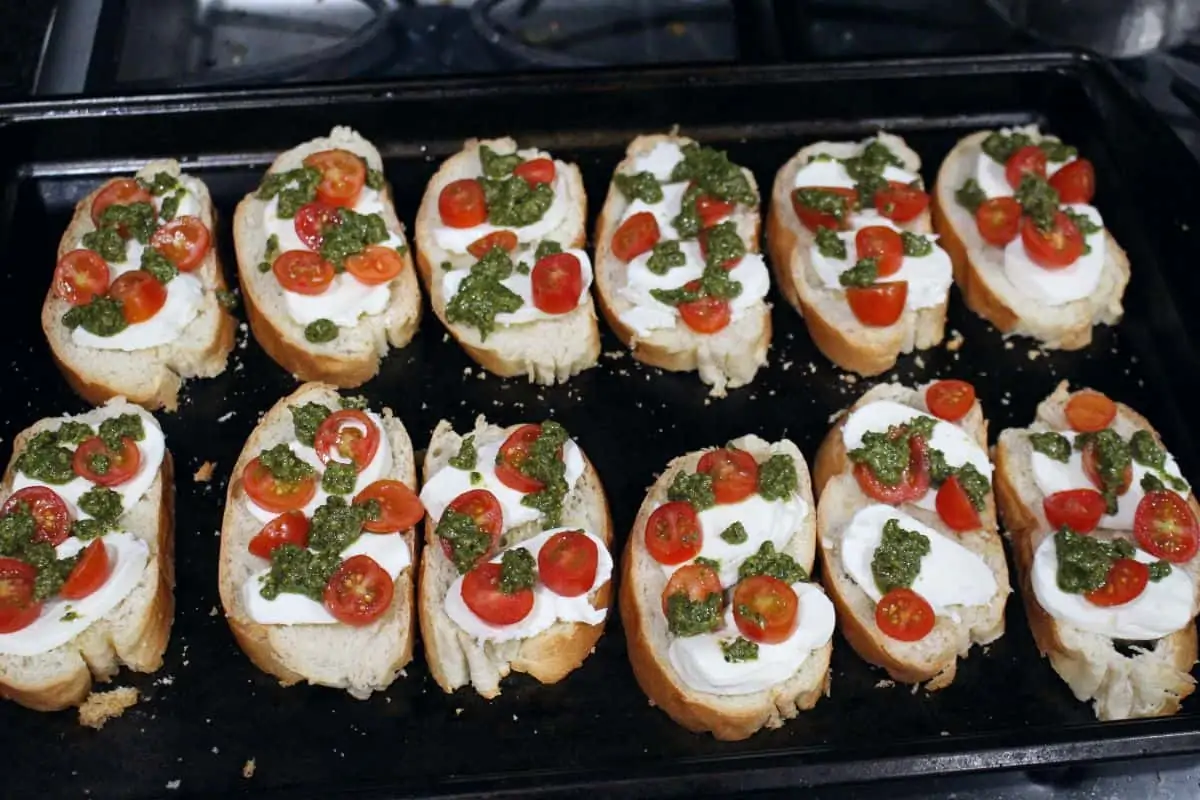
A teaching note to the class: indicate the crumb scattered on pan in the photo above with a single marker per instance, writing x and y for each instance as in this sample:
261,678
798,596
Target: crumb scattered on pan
228,415
248,768
205,473
615,354
955,342
885,684
1008,344
100,707
1034,354
846,377
212,612
920,362
174,784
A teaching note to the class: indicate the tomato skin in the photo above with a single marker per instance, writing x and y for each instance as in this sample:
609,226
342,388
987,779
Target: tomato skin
505,240
1088,411
272,495
1127,579
118,192
290,527
462,204
673,533
955,508
950,399
1092,470
359,591
567,563
882,244
635,236
343,175
311,222
734,473
912,486
1059,247
815,220
80,277
712,210
512,454
303,272
695,581
1166,528
539,170
141,295
183,241
556,283
901,202
482,594
400,508
1075,182
483,507
89,573
772,600
375,265
122,466
1028,160
706,315
351,434
49,510
879,305
998,220
17,607
904,615
1078,509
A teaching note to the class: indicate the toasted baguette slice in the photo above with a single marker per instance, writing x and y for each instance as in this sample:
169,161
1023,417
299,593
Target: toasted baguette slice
150,377
360,660
832,325
133,633
546,351
979,269
353,357
726,359
1120,684
933,659
455,658
727,717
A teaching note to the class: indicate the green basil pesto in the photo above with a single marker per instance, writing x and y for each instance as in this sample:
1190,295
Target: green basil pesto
481,296
723,244
522,268
306,419
665,257
87,529
107,242
1051,444
1084,561
1056,152
170,205
714,282
17,540
1085,226
974,483
226,299
829,244
138,220
821,157
468,542
45,460
543,464
518,570
1159,570
350,236
101,317
687,223
739,650
915,244
375,179
284,465
887,454
69,616
735,534
711,563
99,463
115,429
641,186
298,570
336,524
467,456
160,184
714,174
546,247
339,478
769,562
1038,199
862,274
1001,146
353,402
496,165
476,478
320,331
158,266
866,169
970,195
1152,483
1145,450
73,432
687,617
897,559
777,479
101,503
1113,458
271,253
513,203
294,188
693,487
823,201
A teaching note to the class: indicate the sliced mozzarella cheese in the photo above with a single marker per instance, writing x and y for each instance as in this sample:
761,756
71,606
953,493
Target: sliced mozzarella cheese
548,607
522,285
1163,608
344,303
1056,287
833,174
660,161
991,177
189,203
664,211
61,620
701,663
457,240
950,575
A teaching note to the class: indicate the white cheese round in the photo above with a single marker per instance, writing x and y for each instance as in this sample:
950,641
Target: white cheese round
1056,287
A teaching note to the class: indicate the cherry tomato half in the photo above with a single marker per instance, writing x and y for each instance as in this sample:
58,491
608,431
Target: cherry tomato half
483,507
290,527
462,204
556,283
118,192
567,563
1165,527
882,244
140,294
312,221
539,170
879,305
712,210
954,506
1056,248
1090,411
347,436
303,272
1078,509
734,473
482,593
950,399
1028,160
1091,468
765,609
673,533
274,495
89,573
80,277
697,582
913,484
901,202
183,241
505,240
708,314
93,461
512,455
359,591
635,236
1075,182
51,517
904,615
998,220
814,219
399,506
343,175
374,266
1126,580
18,609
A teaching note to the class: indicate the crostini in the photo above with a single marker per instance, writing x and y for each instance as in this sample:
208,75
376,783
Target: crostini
318,543
326,272
1104,529
500,237
678,270
516,573
1031,254
906,521
724,629
137,303
86,543
849,237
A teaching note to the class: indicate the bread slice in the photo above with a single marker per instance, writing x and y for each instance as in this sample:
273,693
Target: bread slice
360,660
933,659
833,327
546,351
1120,684
979,269
133,633
151,377
727,717
455,658
726,359
353,357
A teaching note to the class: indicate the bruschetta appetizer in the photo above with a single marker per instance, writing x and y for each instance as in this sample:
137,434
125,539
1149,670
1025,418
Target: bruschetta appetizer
724,628
1031,254
326,271
318,544
907,528
86,543
500,236
849,235
516,573
1104,529
136,305
678,270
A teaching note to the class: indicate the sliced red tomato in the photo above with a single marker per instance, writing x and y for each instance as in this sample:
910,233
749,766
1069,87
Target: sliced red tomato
399,506
673,533
343,175
539,170
1089,411
359,591
313,220
901,202
1028,160
512,455
1078,509
1091,468
950,399
347,436
879,305
140,294
118,192
80,277
51,517
954,506
505,240
567,563
89,573
706,315
882,244
1165,527
557,281
374,266
18,609
121,466
483,507
482,593
290,527
462,204
912,485
303,272
904,615
273,495
814,220
712,210
695,581
734,473
998,220
183,241
635,236
1056,248
1126,580
1075,182
765,609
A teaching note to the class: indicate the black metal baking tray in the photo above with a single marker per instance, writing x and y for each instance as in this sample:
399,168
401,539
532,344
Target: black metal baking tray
208,711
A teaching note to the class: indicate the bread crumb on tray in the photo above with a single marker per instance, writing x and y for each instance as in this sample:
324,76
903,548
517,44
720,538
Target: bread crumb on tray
100,707
205,473
248,768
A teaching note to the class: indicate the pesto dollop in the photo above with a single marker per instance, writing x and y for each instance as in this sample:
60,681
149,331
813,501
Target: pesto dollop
107,242
160,184
45,460
970,195
714,282
114,430
866,169
518,570
714,174
294,188
284,465
1051,444
739,650
102,504
306,419
693,487
887,454
353,402
299,570
351,235
101,317
735,534
862,274
1159,570
711,563
640,186
1084,561
915,244
320,331
467,456
375,179
1000,147
270,253
481,296
170,205
687,617
138,220
1113,458
777,479
974,483
1055,150
498,166
513,203
543,463
769,562
468,542
665,257
339,478
18,531
336,524
687,222
823,201
723,244
1039,200
546,247
73,432
897,559
159,267
829,244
